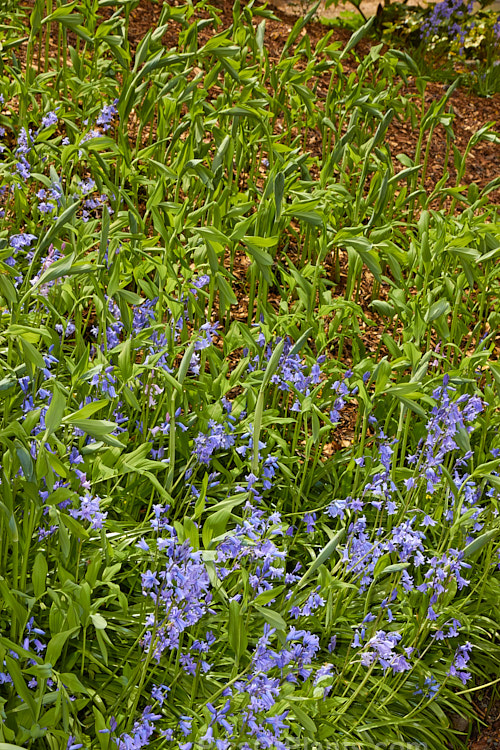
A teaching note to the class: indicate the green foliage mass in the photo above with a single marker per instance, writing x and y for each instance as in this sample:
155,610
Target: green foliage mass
249,391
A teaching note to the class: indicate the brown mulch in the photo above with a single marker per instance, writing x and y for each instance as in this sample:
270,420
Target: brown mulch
470,111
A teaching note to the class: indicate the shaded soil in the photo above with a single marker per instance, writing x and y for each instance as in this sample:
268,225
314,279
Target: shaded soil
489,737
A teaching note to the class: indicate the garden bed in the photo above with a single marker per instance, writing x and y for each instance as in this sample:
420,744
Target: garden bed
249,342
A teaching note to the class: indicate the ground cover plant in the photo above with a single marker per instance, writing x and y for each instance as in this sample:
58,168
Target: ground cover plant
249,391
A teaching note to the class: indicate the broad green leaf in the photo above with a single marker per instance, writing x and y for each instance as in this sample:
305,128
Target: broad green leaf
11,522
15,672
98,621
480,542
304,720
236,629
56,645
97,428
55,411
39,574
357,36
279,189
274,619
87,410
441,307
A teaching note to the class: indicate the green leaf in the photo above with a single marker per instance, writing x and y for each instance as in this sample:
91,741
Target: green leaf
201,501
463,440
214,526
323,556
495,371
395,568
14,670
18,610
94,427
56,410
125,360
383,125
305,721
259,408
279,189
97,428
300,343
480,542
103,243
56,645
26,461
262,259
55,229
272,365
441,307
87,410
39,574
357,36
72,683
315,427
8,290
236,629
98,621
300,23
410,404
266,596
274,619
185,362
11,522
227,295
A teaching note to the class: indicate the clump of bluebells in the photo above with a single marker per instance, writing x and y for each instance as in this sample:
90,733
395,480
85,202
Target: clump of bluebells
379,527
454,25
461,31
222,581
450,17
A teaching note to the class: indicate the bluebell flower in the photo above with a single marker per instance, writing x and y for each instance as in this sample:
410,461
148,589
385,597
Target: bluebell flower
142,732
106,115
18,241
49,119
185,723
159,693
89,511
217,438
310,521
459,663
208,331
428,521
